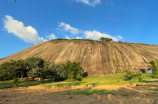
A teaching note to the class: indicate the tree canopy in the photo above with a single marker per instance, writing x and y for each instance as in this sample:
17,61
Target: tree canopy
36,67
103,39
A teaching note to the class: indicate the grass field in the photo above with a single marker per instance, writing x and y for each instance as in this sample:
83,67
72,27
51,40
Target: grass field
108,79
87,92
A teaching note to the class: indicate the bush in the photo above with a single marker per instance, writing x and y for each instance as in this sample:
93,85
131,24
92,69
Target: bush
16,82
130,75
79,77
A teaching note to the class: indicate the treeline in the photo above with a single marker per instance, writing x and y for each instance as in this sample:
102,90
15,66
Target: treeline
36,67
102,39
74,39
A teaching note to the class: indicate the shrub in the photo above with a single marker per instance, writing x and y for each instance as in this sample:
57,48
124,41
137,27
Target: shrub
16,82
140,79
130,75
79,77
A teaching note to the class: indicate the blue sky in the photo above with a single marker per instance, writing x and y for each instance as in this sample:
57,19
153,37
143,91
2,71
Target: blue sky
28,22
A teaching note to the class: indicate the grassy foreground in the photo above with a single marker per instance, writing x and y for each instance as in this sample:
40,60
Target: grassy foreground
108,79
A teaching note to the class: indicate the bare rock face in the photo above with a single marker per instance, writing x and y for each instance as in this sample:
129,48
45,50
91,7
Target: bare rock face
95,57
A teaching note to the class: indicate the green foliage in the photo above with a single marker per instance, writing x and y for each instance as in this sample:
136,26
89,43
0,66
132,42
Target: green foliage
74,39
19,68
33,73
34,62
36,67
57,71
103,39
79,77
16,82
131,75
108,79
154,67
73,69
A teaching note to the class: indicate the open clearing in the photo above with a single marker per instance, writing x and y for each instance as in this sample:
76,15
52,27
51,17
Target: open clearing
122,94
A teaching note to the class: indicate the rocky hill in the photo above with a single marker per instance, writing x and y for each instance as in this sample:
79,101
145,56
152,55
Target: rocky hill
95,57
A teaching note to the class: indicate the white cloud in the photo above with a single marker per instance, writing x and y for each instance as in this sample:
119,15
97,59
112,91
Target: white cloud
52,36
27,34
90,2
119,37
96,35
78,38
67,37
67,27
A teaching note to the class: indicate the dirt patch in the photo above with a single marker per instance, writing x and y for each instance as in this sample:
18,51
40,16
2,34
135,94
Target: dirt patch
126,94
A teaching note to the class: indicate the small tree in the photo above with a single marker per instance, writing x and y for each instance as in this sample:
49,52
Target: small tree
16,82
154,67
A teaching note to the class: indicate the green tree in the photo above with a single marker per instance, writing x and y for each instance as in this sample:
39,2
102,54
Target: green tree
21,68
57,71
78,70
4,71
34,63
73,69
154,67
103,39
16,82
33,73
41,73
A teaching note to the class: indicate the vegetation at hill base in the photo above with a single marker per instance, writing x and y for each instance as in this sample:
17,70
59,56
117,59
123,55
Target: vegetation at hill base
36,67
108,79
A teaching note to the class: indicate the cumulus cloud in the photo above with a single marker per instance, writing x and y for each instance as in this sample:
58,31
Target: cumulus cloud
90,2
67,37
78,38
52,36
68,28
27,34
96,35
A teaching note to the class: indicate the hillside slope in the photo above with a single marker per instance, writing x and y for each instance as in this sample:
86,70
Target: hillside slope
95,57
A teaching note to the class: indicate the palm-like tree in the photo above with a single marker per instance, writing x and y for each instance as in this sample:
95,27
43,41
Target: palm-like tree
154,66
